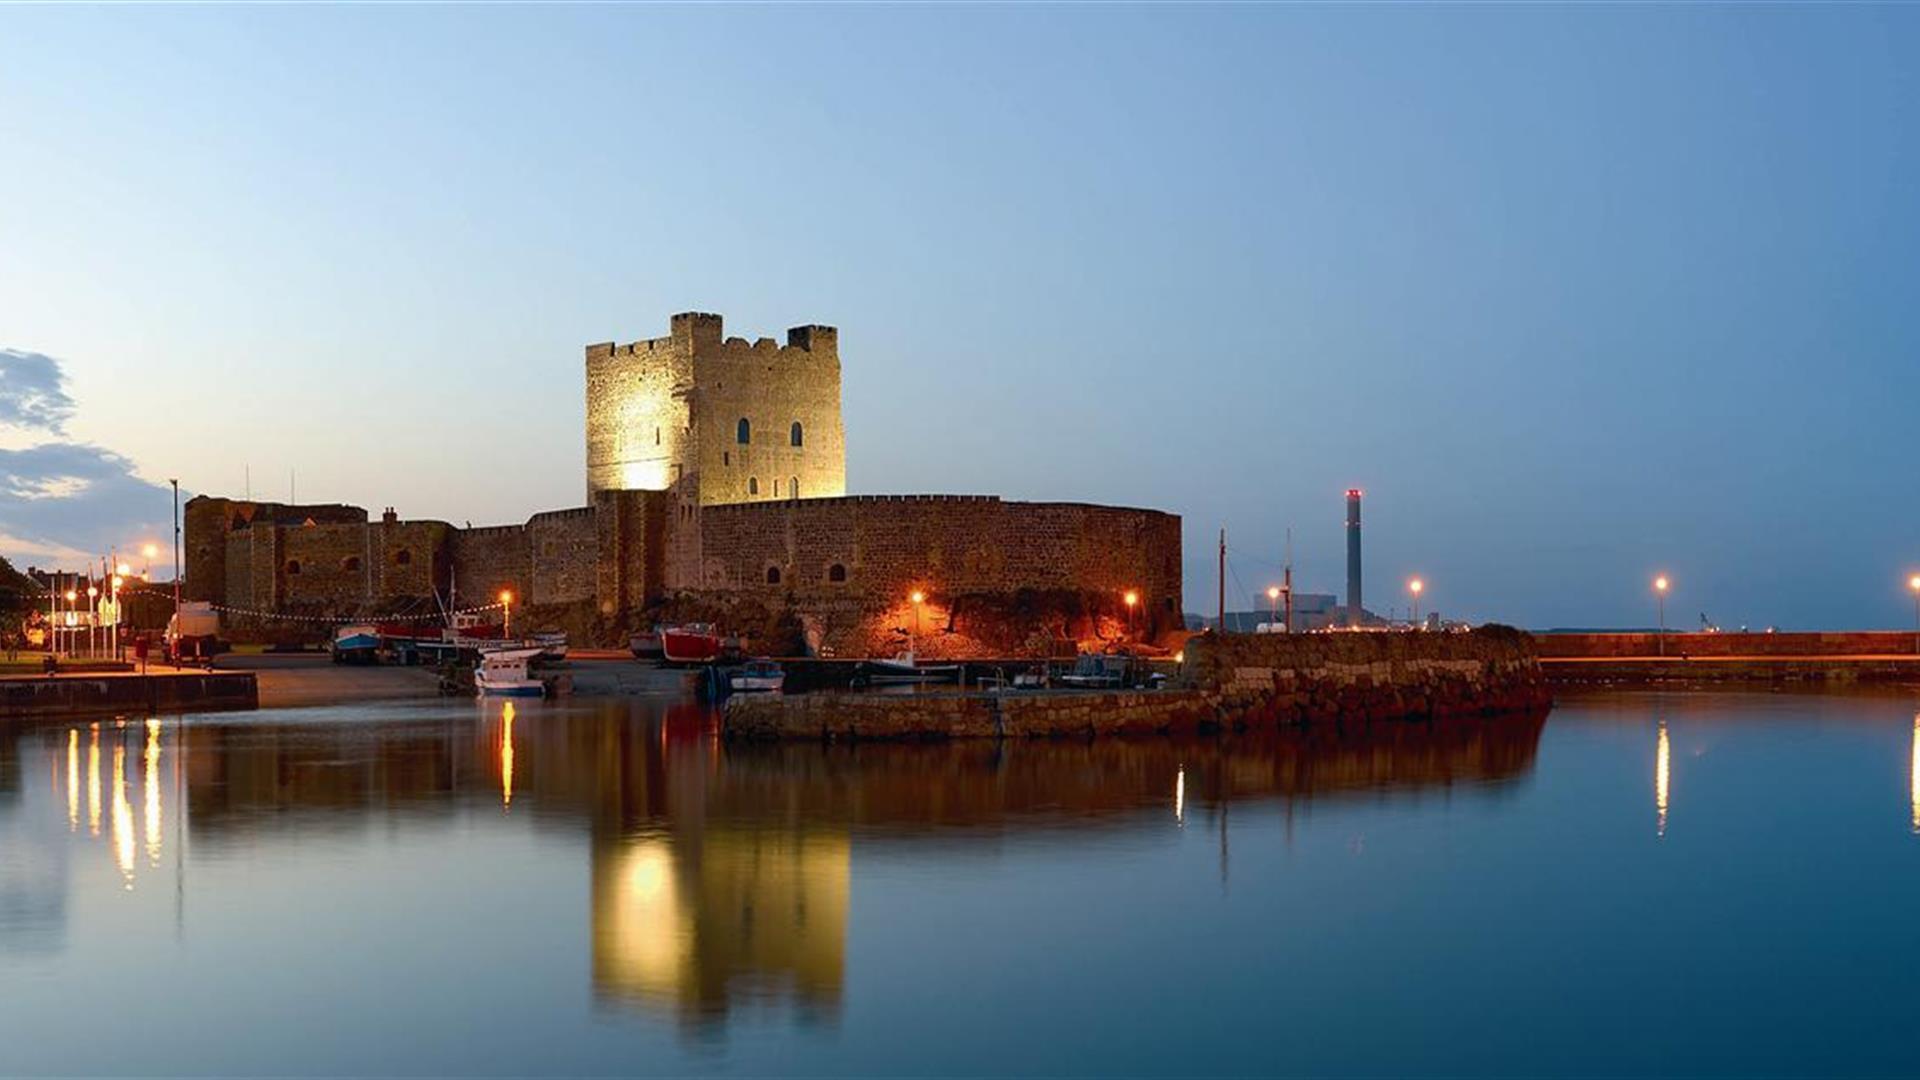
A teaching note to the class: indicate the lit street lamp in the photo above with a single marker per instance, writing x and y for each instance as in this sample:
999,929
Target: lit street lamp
1414,587
506,616
1131,598
1273,606
918,598
1660,601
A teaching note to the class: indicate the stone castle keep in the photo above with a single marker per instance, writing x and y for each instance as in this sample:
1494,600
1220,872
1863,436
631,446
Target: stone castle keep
716,487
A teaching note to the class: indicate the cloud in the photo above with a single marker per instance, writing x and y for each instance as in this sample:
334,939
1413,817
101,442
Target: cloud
62,503
33,393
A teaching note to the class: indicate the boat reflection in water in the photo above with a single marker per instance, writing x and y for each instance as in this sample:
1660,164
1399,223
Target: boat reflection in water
720,875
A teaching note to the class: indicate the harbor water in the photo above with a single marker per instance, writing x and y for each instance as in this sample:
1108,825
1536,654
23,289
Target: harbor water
1638,883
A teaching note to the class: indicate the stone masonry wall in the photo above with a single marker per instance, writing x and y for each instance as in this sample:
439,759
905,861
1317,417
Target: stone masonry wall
853,563
666,411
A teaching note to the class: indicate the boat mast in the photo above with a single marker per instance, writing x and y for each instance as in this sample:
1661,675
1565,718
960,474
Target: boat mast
1222,623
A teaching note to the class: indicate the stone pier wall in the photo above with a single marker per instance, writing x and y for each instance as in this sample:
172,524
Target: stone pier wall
1235,682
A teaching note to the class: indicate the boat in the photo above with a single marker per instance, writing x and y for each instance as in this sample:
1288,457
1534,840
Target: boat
645,645
554,644
356,643
1098,671
690,643
905,668
504,673
757,675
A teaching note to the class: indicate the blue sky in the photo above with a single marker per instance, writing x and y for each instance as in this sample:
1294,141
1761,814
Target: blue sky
1577,293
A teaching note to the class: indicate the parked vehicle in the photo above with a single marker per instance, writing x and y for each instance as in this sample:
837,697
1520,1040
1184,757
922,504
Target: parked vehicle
193,634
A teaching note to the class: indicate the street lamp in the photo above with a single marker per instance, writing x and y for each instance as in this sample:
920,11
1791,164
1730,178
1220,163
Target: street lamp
93,605
506,608
1914,584
1415,586
72,595
1273,606
1660,600
1131,598
918,598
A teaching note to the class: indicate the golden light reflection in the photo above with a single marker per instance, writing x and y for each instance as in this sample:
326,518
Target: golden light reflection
73,779
93,780
506,757
1662,764
1913,776
151,776
1180,795
741,913
123,838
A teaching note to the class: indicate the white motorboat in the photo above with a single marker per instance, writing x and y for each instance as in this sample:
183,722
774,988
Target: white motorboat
757,675
905,668
505,673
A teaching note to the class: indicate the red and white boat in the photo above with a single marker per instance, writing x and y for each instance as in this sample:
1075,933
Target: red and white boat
690,643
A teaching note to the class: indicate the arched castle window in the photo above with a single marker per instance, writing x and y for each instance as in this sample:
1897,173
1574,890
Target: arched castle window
753,485
351,562
796,437
793,487
743,432
773,575
402,557
293,567
837,572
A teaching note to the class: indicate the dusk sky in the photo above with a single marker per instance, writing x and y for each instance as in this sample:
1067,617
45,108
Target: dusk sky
1576,293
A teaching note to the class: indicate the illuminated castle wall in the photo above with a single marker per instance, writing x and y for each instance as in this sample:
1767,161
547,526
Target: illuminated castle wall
719,418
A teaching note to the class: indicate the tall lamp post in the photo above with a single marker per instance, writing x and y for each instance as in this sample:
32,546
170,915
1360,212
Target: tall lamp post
918,598
1660,602
506,612
1914,584
1415,586
1273,607
1131,599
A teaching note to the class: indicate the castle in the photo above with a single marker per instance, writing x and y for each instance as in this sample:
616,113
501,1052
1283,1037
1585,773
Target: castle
716,486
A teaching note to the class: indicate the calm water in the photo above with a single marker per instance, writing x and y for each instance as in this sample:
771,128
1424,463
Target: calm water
1638,884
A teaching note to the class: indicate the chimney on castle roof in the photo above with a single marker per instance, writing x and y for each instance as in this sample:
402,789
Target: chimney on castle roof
814,338
389,516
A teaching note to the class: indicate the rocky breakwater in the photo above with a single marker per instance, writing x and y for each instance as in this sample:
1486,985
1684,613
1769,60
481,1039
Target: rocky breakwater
1263,680
1232,682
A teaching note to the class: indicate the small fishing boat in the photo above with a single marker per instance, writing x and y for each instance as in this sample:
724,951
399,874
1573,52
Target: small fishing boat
690,643
645,645
505,673
355,644
553,643
757,675
905,668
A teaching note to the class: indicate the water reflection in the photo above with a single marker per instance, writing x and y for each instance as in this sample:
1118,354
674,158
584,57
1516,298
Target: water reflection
1913,777
720,875
1662,774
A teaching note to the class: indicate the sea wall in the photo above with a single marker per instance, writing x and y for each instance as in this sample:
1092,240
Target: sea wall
1798,644
1230,682
141,695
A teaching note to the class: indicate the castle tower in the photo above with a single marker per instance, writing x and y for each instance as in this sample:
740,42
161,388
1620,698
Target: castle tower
724,419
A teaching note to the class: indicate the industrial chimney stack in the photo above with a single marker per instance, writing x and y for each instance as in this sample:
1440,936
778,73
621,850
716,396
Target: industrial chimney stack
1353,558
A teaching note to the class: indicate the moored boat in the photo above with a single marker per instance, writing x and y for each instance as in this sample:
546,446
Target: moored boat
506,673
905,668
757,675
645,645
554,644
355,644
690,643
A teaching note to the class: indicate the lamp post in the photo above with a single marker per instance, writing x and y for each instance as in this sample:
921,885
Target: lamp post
93,609
1273,606
1131,598
918,598
1415,586
72,595
1914,584
1660,602
506,610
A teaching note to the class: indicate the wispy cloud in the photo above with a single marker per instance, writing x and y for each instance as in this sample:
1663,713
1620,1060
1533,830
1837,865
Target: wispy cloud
33,392
64,502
